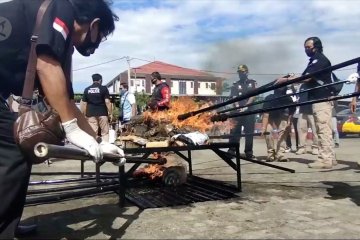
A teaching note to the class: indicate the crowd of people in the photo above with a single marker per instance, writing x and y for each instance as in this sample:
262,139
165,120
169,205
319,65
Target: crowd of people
277,125
99,110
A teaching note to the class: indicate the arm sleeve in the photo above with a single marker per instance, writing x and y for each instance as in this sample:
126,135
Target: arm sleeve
318,65
55,30
84,98
253,86
165,93
131,98
106,93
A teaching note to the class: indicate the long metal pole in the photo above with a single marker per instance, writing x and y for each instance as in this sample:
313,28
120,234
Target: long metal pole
224,117
269,87
283,96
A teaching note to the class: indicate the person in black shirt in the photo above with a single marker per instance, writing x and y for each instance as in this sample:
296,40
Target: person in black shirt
66,24
97,106
242,86
277,122
160,98
322,111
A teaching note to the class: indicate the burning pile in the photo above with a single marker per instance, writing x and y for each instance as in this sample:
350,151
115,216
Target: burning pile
179,106
160,125
159,129
172,173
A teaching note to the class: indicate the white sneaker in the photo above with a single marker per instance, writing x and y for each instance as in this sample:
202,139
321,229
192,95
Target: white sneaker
315,151
300,151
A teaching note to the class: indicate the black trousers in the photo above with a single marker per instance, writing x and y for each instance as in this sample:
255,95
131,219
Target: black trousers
288,139
14,176
248,122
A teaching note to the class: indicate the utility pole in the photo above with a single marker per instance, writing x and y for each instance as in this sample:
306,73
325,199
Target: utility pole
128,62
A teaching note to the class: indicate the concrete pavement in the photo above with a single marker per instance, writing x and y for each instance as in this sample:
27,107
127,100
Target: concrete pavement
307,204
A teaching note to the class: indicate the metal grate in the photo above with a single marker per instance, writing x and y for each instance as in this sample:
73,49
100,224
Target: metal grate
155,195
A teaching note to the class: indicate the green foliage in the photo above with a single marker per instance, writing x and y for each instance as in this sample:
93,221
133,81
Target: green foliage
78,97
142,99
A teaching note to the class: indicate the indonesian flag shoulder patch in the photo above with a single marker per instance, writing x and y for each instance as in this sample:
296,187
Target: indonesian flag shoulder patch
61,27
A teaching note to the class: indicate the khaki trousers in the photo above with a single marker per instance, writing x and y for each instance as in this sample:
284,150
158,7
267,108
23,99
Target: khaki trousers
277,145
103,123
322,117
303,121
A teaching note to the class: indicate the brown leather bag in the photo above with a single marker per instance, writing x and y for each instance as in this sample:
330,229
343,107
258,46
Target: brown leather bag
37,122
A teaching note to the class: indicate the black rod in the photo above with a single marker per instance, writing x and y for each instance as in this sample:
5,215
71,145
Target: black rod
283,96
268,87
68,195
69,188
224,117
226,136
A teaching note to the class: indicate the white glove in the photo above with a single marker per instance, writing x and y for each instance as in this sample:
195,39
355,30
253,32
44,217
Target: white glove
111,148
81,139
353,78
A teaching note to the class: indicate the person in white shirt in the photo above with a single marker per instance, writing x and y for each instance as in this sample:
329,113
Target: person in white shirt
127,106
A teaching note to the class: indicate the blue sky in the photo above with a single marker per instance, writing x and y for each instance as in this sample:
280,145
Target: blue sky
218,35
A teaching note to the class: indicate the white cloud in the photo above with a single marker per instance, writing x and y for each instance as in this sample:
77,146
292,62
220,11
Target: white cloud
218,35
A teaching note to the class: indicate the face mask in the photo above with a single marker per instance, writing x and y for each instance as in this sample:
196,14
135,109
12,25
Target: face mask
309,52
88,47
242,76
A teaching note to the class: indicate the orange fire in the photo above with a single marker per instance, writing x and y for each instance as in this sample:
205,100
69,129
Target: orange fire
200,122
153,171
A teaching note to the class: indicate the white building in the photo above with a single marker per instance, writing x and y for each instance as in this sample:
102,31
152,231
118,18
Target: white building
183,81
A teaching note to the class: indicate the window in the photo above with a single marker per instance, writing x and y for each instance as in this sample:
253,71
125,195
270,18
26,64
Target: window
143,83
131,83
191,84
213,85
182,87
171,83
206,85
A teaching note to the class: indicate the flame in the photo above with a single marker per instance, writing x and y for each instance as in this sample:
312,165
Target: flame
154,171
200,122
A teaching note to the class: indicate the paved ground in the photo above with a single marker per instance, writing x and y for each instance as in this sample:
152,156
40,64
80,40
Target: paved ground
274,204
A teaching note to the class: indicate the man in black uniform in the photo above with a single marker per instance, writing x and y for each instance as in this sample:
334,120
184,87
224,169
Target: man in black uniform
322,111
97,106
160,98
242,86
66,24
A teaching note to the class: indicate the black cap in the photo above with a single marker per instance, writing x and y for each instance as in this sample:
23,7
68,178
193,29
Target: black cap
96,77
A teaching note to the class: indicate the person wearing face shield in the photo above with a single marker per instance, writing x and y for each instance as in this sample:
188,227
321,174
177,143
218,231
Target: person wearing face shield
322,112
246,123
66,24
160,98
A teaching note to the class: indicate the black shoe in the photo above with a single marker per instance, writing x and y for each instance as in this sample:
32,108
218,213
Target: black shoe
337,145
250,156
24,230
231,151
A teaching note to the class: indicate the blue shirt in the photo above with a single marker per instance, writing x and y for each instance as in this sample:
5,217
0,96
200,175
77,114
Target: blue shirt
127,99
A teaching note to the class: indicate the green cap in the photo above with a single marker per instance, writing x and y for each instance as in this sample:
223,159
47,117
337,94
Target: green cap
243,68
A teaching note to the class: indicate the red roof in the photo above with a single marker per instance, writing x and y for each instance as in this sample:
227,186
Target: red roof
165,68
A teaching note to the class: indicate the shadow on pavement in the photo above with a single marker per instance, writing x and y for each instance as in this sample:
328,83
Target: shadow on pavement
340,190
85,222
348,164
